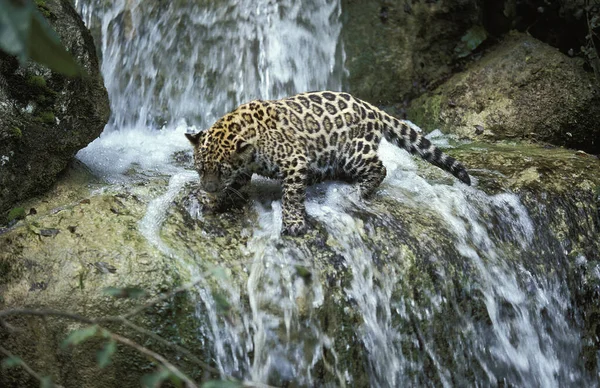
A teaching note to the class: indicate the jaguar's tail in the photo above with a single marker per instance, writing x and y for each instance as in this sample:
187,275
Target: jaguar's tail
399,133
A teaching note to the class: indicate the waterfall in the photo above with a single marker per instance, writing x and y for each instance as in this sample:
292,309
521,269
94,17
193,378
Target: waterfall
171,67
165,61
179,67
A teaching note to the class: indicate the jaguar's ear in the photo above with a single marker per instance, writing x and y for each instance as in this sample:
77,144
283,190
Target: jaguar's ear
241,146
195,138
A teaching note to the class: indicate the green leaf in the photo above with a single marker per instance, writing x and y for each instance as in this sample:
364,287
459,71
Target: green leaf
103,356
222,384
175,380
15,23
17,213
11,362
125,292
470,41
46,382
45,47
26,34
78,336
155,379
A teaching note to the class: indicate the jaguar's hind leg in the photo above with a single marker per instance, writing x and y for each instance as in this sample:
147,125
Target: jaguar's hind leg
367,171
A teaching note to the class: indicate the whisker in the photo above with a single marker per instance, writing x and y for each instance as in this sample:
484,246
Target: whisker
236,192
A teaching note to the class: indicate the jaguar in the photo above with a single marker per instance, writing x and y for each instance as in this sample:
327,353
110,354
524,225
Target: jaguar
301,140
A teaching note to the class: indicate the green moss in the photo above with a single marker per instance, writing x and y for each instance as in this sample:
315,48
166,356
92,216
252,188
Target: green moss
37,81
426,113
17,132
46,117
17,213
43,8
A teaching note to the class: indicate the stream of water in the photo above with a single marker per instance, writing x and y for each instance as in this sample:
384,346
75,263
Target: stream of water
172,67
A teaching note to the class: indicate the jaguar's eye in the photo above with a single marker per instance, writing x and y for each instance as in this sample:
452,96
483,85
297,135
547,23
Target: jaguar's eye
224,169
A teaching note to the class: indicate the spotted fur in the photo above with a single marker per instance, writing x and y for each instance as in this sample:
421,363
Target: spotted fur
304,139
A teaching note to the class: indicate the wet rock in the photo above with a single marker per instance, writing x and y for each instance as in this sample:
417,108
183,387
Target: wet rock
251,272
45,117
521,89
398,49
70,271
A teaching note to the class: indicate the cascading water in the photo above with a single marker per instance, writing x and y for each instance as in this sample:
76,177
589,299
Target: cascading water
179,67
169,61
171,66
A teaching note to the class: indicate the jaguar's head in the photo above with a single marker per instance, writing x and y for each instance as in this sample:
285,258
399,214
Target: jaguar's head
219,157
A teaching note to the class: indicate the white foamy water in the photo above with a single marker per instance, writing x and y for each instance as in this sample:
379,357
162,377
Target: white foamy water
285,343
114,153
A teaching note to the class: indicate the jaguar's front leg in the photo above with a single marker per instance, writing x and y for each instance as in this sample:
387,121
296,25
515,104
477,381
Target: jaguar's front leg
294,194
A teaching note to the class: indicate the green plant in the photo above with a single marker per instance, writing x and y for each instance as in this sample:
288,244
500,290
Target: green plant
26,34
17,213
95,328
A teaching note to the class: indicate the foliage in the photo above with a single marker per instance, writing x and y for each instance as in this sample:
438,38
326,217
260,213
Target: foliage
12,361
103,356
166,370
78,336
26,34
157,378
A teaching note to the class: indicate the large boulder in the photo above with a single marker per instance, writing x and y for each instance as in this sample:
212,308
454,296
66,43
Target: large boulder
522,89
45,117
385,281
397,49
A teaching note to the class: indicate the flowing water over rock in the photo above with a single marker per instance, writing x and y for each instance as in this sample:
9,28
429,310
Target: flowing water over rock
430,283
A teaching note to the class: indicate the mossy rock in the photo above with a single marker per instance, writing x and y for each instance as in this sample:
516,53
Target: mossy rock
44,9
36,81
409,246
45,117
521,89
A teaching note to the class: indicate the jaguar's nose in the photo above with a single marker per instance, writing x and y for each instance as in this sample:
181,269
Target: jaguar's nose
210,186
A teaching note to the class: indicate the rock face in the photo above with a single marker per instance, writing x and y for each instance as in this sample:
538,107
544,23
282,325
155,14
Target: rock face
523,89
54,259
45,117
396,49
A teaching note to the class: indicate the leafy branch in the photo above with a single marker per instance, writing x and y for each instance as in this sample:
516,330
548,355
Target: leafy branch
95,328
